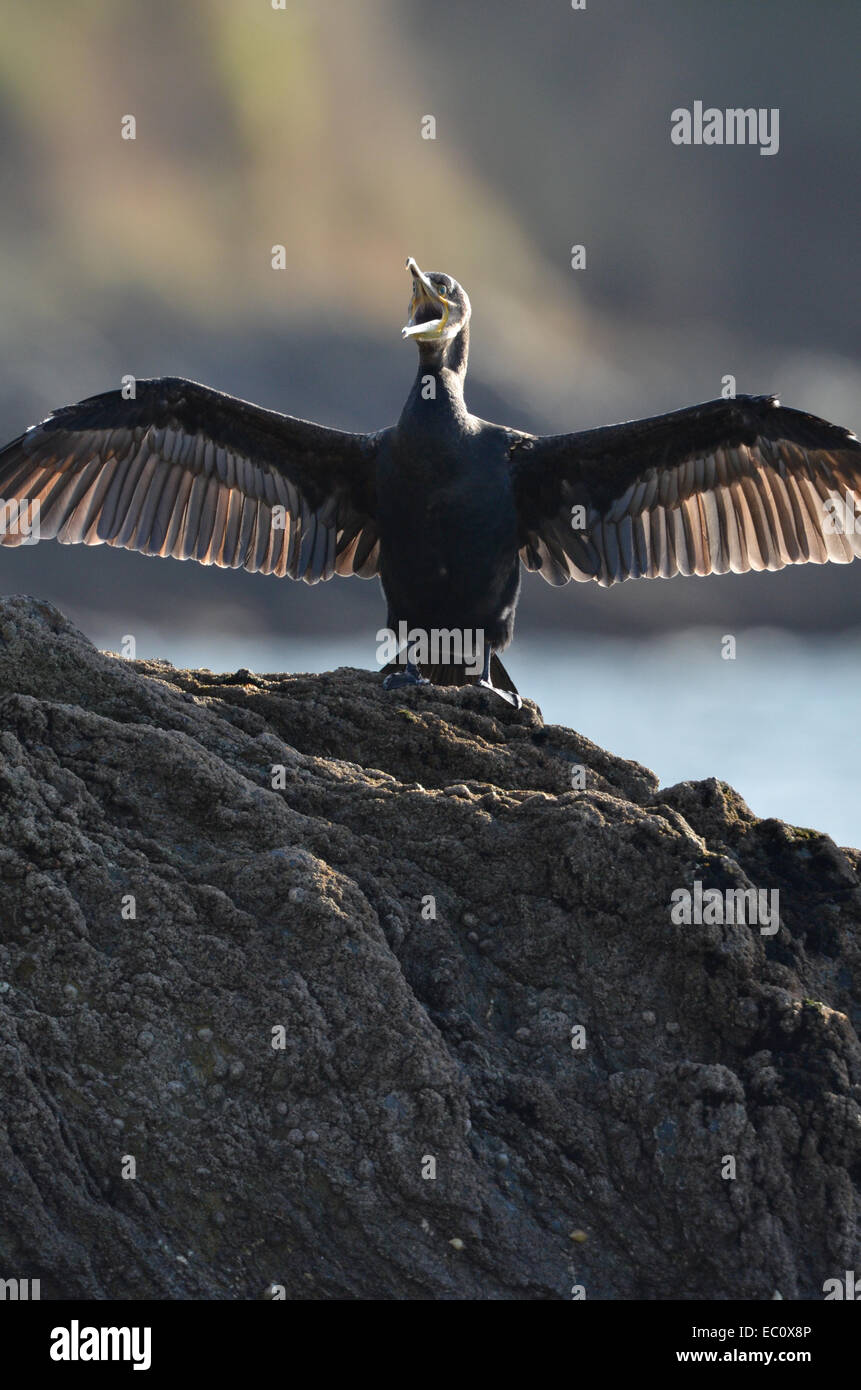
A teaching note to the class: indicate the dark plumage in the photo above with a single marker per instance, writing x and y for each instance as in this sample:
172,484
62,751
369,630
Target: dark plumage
442,506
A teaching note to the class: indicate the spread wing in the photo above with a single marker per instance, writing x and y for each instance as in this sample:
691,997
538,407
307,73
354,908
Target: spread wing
736,485
186,471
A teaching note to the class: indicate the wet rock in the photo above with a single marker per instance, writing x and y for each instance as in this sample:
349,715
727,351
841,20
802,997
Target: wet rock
192,955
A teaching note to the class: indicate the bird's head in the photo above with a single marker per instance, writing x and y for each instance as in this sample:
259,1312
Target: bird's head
439,311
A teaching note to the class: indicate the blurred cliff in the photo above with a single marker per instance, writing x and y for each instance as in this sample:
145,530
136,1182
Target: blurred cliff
303,127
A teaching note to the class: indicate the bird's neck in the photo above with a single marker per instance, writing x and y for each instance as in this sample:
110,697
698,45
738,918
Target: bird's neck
441,375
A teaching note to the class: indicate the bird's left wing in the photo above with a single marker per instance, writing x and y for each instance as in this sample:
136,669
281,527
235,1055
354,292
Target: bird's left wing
185,471
738,485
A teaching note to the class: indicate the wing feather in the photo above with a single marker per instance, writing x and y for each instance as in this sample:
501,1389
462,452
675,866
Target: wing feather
729,486
189,472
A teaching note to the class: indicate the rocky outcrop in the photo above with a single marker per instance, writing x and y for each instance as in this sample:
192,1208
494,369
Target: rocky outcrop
363,995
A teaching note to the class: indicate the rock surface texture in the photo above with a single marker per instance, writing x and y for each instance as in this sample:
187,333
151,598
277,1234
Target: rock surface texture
283,1007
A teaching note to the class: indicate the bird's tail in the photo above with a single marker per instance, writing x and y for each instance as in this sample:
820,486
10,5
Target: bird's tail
458,675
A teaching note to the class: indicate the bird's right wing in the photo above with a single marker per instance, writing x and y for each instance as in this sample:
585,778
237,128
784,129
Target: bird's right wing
189,472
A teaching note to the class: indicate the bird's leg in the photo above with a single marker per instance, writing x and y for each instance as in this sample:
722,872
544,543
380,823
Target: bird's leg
485,675
487,684
411,675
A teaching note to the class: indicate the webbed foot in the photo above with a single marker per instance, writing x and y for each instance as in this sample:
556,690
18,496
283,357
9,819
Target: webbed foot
511,697
398,680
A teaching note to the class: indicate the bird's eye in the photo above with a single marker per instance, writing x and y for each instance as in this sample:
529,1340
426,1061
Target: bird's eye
442,286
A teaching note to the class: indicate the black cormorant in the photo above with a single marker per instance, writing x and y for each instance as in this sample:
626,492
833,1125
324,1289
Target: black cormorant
443,506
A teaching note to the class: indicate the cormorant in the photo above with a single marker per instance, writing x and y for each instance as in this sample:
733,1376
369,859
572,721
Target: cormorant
443,506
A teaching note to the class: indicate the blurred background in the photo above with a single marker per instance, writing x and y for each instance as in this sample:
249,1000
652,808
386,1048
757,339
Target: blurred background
303,126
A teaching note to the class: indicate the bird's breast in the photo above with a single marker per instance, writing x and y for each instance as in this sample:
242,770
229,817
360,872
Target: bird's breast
446,486
448,526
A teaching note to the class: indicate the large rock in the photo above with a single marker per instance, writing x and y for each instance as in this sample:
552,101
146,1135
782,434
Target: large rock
407,1036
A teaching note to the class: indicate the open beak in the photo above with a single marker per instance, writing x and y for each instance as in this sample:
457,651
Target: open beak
429,311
